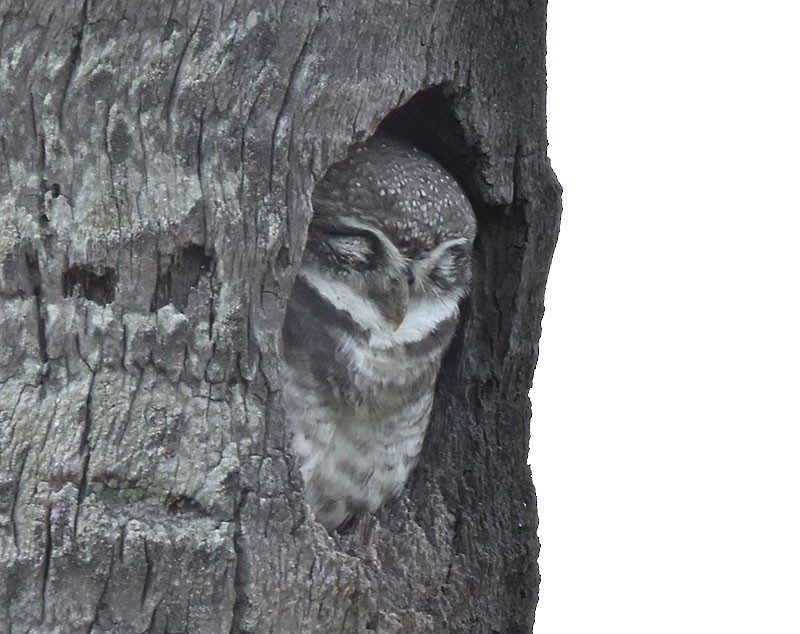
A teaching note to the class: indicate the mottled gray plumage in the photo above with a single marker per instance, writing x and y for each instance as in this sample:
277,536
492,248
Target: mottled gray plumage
373,310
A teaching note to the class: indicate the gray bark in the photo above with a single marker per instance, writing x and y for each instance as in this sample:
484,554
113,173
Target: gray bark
156,166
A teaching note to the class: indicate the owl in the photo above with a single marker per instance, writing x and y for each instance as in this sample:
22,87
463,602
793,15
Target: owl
372,312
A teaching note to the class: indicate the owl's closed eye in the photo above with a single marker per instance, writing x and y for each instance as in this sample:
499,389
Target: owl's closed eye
359,250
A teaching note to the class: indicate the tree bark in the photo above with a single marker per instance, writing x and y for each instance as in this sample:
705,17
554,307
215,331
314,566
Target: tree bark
156,168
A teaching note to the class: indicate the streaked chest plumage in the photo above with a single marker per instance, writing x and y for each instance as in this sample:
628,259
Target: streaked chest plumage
370,318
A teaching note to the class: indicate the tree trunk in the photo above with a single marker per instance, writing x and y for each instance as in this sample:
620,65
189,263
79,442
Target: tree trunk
156,168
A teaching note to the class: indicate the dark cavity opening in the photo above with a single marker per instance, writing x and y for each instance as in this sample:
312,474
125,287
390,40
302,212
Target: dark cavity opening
427,121
180,276
97,284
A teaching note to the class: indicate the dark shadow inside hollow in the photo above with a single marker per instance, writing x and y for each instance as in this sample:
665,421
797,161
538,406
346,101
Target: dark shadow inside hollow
97,284
178,276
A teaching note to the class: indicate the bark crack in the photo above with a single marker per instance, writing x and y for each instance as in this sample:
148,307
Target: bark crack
172,93
85,450
239,580
297,78
148,576
145,158
17,496
73,60
126,421
151,623
48,553
115,197
40,157
34,272
6,163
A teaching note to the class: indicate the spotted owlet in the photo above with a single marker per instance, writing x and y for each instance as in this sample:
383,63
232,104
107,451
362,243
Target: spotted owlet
373,310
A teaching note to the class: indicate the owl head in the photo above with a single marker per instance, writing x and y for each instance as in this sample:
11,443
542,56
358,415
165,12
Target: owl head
391,238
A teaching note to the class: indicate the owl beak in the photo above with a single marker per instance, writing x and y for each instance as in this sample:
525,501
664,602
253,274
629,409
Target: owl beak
397,306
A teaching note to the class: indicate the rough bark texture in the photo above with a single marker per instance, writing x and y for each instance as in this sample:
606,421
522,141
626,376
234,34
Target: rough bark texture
156,166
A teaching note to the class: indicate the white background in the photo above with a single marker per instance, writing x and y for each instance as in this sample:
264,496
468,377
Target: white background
666,448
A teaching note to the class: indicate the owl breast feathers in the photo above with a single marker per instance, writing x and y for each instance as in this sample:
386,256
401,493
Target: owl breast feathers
373,309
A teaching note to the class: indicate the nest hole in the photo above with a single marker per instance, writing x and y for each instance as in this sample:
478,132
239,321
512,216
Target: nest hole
97,284
181,273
